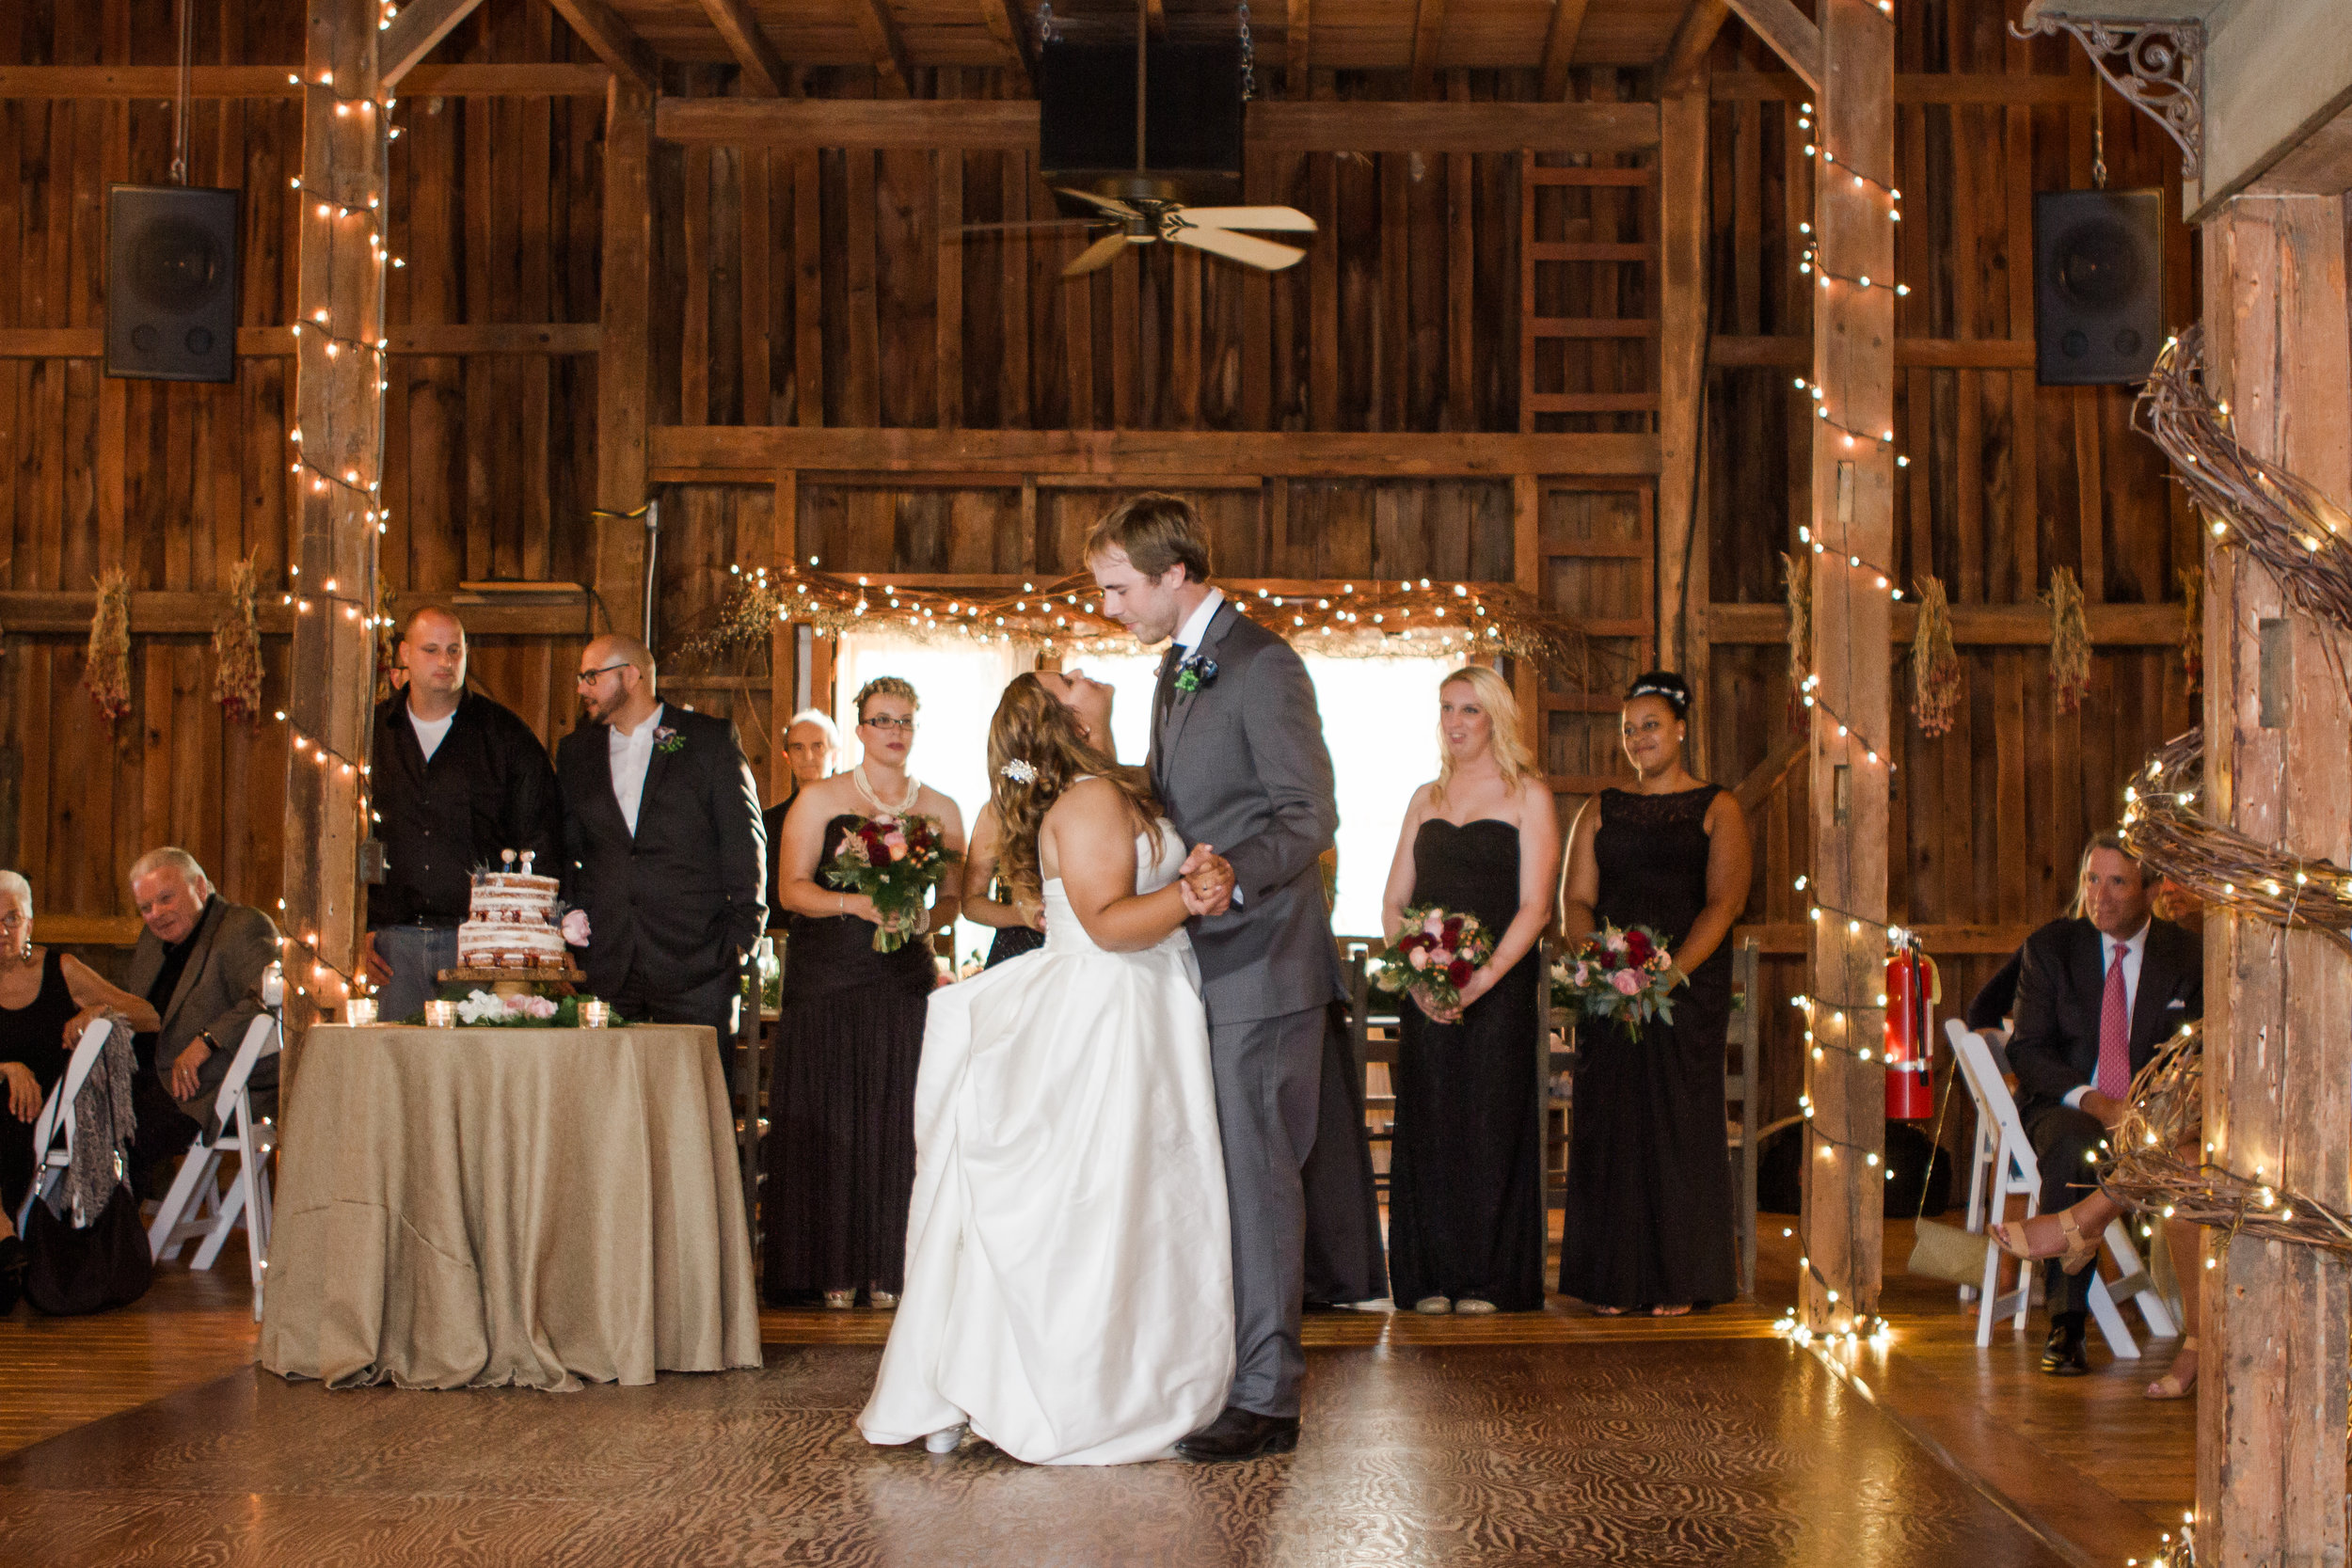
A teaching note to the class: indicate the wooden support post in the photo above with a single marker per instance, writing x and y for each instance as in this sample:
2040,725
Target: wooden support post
623,354
783,665
2271,1402
1527,572
1853,512
1682,374
339,421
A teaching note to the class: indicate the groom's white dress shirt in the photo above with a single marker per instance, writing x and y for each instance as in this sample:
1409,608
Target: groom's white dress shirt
1195,625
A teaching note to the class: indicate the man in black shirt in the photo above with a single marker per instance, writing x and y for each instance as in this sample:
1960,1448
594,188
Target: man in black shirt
810,745
458,778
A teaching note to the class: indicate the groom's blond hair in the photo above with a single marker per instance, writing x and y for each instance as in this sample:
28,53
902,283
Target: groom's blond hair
1493,693
1154,530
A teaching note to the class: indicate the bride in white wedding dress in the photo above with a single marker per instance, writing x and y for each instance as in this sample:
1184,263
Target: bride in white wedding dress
1069,1286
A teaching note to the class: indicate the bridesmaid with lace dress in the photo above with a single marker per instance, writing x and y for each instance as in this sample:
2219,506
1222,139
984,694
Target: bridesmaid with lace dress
1466,1208
1649,1224
840,1147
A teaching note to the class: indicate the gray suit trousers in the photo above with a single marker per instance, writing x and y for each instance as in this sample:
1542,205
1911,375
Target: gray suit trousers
1268,1075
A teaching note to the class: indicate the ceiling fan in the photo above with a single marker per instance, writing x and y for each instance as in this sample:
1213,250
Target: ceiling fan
1145,207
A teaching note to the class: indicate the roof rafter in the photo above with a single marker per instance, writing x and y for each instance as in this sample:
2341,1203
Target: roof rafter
413,32
884,46
763,67
601,28
1010,30
1568,20
1428,31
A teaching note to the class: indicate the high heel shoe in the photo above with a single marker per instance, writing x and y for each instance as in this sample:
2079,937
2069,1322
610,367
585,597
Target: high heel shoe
880,1300
2172,1386
840,1301
1433,1305
1472,1306
2073,1257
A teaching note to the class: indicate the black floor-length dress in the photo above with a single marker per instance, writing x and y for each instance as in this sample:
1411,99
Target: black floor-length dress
1465,1194
1648,1219
840,1144
32,1035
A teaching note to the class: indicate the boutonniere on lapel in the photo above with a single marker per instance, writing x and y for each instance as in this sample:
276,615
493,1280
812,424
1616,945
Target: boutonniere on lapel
667,739
1194,672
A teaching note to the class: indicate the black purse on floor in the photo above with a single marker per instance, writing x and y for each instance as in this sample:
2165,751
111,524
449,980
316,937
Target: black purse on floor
103,1266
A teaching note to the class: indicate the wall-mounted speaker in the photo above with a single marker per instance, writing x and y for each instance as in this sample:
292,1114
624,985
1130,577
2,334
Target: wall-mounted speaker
2098,286
1192,129
171,283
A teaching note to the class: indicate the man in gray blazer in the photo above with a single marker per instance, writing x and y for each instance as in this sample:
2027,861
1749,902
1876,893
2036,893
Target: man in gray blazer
200,962
1238,762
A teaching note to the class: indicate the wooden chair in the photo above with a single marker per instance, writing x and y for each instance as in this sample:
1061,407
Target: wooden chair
2015,1173
53,1131
201,1206
1372,1031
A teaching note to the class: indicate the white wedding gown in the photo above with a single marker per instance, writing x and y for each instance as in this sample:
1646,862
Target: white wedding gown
1069,1281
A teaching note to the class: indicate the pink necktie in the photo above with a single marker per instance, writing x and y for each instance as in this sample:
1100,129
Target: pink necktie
2114,1078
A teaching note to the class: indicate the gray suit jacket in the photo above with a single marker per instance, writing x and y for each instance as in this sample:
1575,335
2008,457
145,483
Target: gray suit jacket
220,991
1241,764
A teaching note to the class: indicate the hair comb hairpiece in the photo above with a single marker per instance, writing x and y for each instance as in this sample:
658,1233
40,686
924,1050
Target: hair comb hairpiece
1020,770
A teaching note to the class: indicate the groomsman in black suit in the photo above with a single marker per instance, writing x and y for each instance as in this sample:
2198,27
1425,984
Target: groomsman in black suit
663,845
2097,993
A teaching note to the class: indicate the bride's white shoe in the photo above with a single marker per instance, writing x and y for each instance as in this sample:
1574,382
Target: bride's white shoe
944,1440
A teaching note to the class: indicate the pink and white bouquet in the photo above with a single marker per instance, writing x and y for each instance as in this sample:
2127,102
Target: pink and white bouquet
897,862
1627,975
1433,956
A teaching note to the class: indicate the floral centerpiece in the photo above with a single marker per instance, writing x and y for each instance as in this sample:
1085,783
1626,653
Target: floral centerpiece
1433,956
1627,975
897,862
485,1009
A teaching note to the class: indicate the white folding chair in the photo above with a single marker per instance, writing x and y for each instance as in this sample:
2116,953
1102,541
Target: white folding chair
200,1203
2013,1171
52,1134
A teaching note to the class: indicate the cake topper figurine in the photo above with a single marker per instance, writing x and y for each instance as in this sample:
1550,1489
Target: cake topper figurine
527,854
506,857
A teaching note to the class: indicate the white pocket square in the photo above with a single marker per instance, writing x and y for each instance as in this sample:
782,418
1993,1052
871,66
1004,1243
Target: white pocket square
2176,1001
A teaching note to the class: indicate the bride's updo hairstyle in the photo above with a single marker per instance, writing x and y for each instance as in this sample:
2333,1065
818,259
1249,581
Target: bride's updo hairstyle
1035,750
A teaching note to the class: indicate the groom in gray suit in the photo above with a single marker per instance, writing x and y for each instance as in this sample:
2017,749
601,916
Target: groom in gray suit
1239,763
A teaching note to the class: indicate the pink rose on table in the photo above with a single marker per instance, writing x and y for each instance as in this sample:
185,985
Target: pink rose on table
576,927
1625,981
535,1007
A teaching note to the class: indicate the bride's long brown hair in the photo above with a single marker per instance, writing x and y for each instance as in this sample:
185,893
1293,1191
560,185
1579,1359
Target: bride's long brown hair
1032,726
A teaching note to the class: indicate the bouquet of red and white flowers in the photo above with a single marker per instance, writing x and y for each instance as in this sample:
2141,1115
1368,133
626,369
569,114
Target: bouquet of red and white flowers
1622,974
894,860
1433,956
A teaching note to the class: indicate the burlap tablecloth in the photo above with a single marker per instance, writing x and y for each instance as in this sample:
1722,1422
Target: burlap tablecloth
468,1208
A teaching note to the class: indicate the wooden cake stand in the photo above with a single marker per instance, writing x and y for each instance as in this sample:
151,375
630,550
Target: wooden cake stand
517,982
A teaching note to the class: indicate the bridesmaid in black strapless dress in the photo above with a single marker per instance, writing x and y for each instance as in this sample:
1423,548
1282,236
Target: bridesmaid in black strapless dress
1649,1219
1466,1209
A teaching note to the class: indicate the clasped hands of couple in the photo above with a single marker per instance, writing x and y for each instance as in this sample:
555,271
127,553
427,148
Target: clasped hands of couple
1205,882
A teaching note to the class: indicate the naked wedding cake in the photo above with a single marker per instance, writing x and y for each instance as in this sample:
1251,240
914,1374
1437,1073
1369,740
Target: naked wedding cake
510,923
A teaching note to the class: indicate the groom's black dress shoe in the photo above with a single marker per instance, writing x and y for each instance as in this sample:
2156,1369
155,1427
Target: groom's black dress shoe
2062,1353
1239,1434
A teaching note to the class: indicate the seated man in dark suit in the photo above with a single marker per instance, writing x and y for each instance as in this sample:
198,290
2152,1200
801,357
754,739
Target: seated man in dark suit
2097,993
663,846
200,962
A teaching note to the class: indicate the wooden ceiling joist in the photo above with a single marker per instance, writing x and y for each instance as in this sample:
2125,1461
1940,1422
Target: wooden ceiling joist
1568,20
1428,35
54,82
1790,34
763,67
1686,56
884,47
1010,30
414,31
1296,47
601,28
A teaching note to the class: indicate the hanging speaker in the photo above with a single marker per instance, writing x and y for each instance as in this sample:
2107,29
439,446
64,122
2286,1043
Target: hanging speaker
171,283
2098,286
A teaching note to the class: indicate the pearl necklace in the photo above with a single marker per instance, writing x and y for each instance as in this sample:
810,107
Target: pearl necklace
915,789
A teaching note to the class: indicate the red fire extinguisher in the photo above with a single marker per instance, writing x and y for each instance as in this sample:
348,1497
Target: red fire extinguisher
1912,989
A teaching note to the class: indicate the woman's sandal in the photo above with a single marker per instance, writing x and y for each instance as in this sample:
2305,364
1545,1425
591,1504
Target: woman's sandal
2172,1386
2073,1257
1608,1312
1682,1311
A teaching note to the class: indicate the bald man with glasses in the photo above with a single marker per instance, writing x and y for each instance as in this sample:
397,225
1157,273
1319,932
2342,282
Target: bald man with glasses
663,846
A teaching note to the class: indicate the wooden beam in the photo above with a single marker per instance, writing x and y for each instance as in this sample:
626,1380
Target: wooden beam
601,28
1790,34
444,340
884,48
1298,48
763,69
1428,36
1686,57
1853,506
622,370
414,30
1789,352
1764,778
1011,29
1936,86
550,79
1270,125
1794,939
2272,1393
1568,20
1682,385
1983,626
701,453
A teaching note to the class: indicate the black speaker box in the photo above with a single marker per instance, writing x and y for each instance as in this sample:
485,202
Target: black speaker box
1192,113
2098,286
171,283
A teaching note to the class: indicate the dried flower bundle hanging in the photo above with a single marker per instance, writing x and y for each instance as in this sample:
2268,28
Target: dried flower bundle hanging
1938,679
1798,577
237,648
745,619
2070,641
2192,580
107,674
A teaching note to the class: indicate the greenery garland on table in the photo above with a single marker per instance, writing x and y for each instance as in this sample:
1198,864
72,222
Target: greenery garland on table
1362,618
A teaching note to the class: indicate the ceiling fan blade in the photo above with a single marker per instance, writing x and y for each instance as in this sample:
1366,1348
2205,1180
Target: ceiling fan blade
1101,203
1240,247
1018,228
1101,254
1273,219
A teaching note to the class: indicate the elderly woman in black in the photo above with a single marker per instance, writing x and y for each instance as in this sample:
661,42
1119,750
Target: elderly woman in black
47,998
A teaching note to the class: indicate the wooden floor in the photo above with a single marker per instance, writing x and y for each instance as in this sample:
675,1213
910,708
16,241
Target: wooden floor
146,1437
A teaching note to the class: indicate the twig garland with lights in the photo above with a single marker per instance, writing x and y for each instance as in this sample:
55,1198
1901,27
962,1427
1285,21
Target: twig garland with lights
2221,866
744,619
237,648
1369,618
106,672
